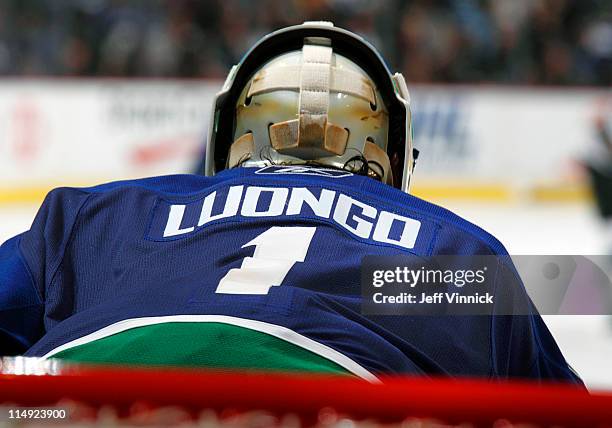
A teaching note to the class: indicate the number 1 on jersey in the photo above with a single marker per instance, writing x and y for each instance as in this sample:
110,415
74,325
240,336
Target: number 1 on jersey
276,251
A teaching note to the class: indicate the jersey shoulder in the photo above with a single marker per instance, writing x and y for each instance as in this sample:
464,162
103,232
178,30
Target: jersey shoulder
455,234
177,184
453,225
62,206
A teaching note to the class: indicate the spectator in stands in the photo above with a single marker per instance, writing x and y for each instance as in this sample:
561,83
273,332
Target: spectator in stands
521,41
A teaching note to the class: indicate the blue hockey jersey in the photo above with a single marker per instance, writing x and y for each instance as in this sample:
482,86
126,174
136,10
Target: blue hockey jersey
275,250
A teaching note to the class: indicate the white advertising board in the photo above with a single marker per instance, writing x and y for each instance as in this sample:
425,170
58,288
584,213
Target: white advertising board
519,136
60,131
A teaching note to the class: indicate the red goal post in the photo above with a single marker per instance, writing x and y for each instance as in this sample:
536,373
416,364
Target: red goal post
310,397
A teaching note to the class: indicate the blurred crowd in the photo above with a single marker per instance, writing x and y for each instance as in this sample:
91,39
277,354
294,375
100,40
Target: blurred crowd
553,42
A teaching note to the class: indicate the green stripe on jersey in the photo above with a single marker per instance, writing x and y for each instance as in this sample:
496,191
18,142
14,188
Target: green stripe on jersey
200,344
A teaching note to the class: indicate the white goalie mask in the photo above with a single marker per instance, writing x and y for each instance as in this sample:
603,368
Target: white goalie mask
314,94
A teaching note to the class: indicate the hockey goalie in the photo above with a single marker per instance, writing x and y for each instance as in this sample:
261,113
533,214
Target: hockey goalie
255,263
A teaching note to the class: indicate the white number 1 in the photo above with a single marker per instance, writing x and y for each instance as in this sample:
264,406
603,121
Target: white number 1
276,251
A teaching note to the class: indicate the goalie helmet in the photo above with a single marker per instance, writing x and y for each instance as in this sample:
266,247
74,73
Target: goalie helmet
313,94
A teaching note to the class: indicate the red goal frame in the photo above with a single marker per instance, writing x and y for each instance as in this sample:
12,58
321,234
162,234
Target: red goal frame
396,398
